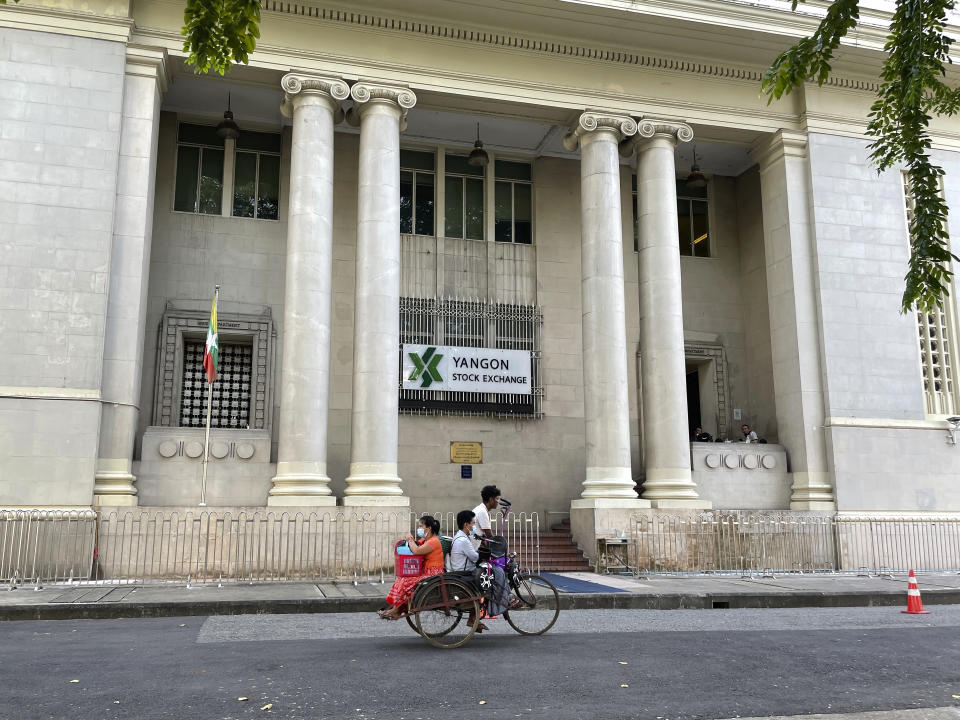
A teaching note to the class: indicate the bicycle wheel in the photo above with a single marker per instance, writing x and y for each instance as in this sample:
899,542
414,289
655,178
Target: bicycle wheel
439,609
418,600
539,605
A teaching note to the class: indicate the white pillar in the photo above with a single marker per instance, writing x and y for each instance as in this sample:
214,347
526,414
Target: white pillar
314,105
609,480
794,319
373,478
143,86
668,482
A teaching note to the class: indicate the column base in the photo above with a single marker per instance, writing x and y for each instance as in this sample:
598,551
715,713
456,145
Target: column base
609,482
373,480
301,483
812,491
672,488
114,483
610,504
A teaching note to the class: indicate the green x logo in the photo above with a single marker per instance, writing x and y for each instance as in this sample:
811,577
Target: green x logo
426,366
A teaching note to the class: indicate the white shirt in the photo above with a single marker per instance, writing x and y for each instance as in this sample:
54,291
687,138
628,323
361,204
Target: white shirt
463,556
483,523
751,438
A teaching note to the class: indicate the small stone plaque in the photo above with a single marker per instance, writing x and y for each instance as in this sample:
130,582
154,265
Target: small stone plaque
466,453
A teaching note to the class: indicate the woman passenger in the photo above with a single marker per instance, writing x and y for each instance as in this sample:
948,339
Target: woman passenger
427,544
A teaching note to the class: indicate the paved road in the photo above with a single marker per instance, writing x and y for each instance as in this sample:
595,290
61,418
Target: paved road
593,664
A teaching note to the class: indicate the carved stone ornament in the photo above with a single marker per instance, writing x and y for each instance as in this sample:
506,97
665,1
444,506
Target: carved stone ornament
679,131
294,84
365,94
623,125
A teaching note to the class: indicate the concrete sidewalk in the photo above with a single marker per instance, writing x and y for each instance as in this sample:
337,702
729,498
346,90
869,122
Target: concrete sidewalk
59,602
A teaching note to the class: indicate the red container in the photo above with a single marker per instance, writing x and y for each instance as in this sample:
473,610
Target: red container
407,565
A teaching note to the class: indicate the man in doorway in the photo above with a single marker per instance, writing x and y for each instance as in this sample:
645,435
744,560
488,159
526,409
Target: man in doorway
701,435
490,497
749,436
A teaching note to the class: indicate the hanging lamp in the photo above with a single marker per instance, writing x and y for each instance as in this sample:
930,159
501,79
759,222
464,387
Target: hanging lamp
228,128
478,156
696,180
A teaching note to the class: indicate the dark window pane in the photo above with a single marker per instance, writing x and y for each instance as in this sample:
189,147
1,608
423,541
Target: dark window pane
522,214
683,221
244,185
267,142
512,170
211,181
199,135
453,207
633,183
185,195
636,220
474,209
503,212
268,193
424,209
457,165
416,160
701,231
406,202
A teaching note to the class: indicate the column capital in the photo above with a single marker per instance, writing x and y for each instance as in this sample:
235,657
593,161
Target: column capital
771,148
676,131
590,121
299,85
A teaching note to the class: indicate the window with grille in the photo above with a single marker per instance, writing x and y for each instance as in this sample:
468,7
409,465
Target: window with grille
937,329
230,406
472,324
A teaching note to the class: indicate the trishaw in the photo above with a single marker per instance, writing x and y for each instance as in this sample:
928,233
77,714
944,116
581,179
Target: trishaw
446,609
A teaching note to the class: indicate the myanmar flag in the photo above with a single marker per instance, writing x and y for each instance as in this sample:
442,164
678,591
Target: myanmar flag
212,351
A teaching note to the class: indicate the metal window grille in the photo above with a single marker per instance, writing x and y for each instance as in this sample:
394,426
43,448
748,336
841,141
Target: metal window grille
937,333
230,405
473,324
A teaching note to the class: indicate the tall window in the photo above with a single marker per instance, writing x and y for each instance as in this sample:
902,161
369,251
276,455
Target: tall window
256,176
199,170
692,220
417,172
200,164
938,332
513,203
463,199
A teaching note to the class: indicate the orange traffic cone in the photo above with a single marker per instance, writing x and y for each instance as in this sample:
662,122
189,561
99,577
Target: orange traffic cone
914,603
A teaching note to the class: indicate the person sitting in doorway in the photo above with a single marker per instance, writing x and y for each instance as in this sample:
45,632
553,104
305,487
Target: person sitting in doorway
428,544
749,436
701,435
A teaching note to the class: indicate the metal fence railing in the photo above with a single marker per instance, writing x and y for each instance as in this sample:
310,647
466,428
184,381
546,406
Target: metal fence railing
748,544
149,546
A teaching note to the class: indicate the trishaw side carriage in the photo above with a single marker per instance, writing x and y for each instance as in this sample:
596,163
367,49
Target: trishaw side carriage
446,609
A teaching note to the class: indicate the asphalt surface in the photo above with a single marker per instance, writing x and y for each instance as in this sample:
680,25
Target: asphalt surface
593,664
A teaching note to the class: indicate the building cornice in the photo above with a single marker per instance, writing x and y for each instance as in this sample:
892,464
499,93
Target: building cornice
66,22
520,41
149,62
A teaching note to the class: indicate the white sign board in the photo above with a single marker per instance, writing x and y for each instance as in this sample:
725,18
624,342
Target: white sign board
464,369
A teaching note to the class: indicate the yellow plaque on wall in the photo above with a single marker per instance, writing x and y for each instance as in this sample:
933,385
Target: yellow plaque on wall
466,453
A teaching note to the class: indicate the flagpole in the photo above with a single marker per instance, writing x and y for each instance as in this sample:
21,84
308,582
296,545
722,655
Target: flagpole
206,437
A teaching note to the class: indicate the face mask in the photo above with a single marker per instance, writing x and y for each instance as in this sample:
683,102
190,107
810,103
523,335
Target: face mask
421,532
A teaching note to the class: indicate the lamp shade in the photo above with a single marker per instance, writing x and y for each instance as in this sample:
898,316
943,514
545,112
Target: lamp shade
228,128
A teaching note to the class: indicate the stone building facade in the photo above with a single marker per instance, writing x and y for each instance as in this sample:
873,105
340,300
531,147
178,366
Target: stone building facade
346,221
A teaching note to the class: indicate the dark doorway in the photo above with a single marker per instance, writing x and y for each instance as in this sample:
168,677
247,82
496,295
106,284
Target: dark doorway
693,398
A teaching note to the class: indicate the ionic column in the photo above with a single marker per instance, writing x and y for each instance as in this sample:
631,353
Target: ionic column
373,479
794,320
609,480
143,86
668,482
314,105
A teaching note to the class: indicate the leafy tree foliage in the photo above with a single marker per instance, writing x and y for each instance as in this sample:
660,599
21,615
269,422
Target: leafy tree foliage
220,32
912,90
